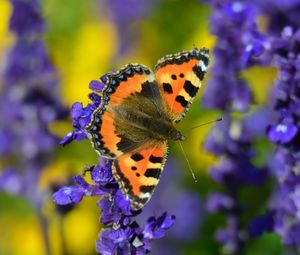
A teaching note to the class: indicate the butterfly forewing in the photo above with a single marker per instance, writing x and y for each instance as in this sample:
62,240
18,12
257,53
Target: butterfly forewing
133,79
179,77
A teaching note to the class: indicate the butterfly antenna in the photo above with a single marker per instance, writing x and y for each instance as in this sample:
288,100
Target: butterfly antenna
188,162
212,121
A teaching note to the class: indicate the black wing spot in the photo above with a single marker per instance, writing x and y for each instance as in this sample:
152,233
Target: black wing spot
174,77
190,88
168,88
181,75
133,168
147,188
137,157
181,100
198,71
154,159
153,172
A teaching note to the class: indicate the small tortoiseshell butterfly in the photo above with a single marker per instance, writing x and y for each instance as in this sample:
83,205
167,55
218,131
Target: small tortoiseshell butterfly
137,115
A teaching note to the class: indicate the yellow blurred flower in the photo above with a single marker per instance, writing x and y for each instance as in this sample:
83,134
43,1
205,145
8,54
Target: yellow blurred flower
93,48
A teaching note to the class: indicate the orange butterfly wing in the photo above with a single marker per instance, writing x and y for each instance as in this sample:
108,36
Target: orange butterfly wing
179,77
138,173
102,130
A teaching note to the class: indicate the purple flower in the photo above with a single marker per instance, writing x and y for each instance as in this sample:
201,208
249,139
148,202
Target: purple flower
232,237
26,17
82,115
219,202
186,204
284,132
132,239
125,14
97,86
279,13
128,237
261,224
68,194
11,181
156,228
239,46
29,103
29,100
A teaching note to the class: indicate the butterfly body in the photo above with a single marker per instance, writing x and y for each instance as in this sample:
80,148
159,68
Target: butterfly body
137,117
144,120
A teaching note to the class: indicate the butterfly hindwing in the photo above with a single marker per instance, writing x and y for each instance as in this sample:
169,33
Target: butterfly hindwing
103,129
179,77
138,173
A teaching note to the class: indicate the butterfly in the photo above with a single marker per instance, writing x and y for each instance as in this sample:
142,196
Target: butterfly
137,116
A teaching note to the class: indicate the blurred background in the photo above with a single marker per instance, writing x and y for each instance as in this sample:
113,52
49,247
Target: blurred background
84,40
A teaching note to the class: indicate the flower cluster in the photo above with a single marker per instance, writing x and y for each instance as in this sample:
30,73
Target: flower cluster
185,204
29,102
81,116
279,14
285,205
123,234
239,45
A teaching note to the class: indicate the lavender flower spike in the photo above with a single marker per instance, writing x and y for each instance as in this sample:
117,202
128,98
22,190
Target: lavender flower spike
239,45
285,205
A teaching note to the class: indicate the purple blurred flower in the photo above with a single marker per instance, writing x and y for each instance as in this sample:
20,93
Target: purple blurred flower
126,14
284,132
232,142
29,102
261,224
185,204
233,237
11,181
26,17
219,202
29,99
239,46
279,13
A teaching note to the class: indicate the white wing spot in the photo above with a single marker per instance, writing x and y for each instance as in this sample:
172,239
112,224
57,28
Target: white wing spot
203,66
145,195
